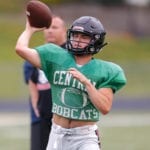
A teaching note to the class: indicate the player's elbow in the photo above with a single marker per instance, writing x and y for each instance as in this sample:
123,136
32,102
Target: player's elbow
105,111
19,50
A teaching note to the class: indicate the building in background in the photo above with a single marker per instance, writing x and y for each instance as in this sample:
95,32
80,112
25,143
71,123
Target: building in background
141,3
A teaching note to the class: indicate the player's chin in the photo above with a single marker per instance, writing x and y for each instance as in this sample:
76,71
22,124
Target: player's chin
51,40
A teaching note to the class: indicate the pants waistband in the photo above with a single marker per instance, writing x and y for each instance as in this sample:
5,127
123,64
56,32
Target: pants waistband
77,130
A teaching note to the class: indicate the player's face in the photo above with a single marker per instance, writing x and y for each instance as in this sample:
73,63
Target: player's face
79,40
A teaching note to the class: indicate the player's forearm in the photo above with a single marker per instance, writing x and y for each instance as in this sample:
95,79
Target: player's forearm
23,50
23,42
101,99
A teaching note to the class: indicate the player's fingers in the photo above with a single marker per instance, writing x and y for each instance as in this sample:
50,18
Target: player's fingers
33,29
72,69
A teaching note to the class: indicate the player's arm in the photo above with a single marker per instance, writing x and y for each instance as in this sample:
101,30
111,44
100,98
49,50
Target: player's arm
101,98
22,46
34,96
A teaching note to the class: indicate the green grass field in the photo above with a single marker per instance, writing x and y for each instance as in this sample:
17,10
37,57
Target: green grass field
125,131
119,131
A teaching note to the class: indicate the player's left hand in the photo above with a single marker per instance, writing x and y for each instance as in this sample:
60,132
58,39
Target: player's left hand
78,75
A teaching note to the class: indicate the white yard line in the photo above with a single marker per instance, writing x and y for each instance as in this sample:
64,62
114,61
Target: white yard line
110,120
125,120
14,119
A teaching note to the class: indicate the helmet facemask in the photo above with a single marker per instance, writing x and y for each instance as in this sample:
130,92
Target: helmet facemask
77,50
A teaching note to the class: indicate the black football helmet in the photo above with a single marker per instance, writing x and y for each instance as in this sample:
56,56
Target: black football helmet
89,26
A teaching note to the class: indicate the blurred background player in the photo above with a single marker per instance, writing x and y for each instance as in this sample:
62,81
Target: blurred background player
39,88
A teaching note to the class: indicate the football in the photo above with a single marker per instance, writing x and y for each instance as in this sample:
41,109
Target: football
39,14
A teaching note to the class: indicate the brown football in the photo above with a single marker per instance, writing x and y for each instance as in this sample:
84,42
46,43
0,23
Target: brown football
38,14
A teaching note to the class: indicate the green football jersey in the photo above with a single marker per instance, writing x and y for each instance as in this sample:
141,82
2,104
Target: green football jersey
69,96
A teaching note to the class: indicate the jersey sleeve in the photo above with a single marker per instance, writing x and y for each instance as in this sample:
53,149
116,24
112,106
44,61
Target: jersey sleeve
115,78
49,54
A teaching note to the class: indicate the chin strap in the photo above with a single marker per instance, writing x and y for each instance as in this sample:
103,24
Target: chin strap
104,44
